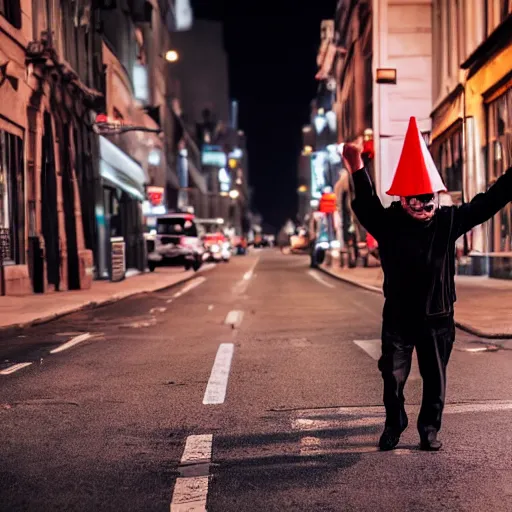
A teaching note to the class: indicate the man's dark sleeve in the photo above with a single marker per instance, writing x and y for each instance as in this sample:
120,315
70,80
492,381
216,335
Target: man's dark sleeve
485,205
366,204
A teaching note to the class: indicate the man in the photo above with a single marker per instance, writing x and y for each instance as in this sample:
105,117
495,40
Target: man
416,241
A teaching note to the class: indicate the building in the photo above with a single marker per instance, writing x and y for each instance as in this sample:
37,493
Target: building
383,76
213,163
472,117
304,176
50,86
132,161
15,34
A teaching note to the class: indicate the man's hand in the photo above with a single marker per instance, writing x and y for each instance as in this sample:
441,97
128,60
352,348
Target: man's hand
352,156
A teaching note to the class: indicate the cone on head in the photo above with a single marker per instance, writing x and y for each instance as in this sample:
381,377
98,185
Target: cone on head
416,173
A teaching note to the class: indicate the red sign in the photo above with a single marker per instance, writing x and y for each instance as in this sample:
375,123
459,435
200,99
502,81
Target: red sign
328,203
155,195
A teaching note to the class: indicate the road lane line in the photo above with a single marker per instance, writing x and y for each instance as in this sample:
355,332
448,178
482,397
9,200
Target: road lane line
315,276
152,311
193,284
71,343
14,368
371,347
242,285
234,318
198,449
374,350
190,493
216,389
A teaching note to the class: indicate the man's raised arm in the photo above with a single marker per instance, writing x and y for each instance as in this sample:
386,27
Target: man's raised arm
366,204
484,206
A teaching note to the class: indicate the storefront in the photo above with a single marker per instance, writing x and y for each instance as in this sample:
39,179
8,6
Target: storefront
120,218
448,154
499,150
12,201
488,127
14,92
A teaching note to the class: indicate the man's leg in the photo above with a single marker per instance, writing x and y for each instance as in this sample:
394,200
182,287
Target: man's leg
434,349
395,365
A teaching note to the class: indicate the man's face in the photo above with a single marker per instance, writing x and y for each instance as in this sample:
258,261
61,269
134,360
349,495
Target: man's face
421,207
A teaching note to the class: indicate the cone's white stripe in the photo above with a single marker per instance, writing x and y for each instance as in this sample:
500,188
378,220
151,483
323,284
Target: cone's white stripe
435,178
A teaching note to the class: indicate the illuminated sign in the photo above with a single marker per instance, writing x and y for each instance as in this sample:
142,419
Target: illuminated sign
328,203
155,195
318,167
237,153
214,156
224,180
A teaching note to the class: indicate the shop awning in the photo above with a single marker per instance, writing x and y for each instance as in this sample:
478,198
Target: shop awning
120,170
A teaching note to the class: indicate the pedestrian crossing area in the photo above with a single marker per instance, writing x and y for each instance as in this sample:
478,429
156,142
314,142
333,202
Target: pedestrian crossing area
356,430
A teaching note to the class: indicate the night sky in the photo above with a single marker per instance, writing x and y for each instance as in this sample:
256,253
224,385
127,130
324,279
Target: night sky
272,47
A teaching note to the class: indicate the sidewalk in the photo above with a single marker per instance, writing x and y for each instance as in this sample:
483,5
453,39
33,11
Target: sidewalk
23,311
483,306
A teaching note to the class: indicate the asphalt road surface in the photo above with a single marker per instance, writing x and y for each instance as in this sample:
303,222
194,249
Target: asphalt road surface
253,387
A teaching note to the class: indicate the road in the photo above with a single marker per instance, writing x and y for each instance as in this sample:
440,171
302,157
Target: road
159,404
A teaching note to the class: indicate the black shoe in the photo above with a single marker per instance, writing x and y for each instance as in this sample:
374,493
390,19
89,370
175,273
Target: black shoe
389,439
430,443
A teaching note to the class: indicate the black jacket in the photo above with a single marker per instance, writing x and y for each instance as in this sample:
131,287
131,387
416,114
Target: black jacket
418,258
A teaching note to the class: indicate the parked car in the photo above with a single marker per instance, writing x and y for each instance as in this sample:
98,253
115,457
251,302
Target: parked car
217,247
175,242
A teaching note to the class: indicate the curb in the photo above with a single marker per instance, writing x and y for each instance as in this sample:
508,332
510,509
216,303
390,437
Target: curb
375,289
5,329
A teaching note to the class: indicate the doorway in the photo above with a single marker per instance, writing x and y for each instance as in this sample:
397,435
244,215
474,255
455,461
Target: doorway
68,196
49,216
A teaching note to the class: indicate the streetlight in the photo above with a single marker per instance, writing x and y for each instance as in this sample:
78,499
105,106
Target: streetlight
234,194
172,56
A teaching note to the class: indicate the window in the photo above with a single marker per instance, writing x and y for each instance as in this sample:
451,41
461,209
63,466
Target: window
448,156
11,11
499,118
12,219
496,12
505,9
176,226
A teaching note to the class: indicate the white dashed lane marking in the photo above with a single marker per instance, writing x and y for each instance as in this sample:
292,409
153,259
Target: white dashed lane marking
234,318
193,284
242,285
215,393
190,493
198,449
71,343
14,368
315,276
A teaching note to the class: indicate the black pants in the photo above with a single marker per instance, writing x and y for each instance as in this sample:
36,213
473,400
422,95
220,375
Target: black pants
433,342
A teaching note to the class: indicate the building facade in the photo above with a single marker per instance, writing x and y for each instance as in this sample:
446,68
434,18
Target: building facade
50,86
213,162
15,34
471,117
